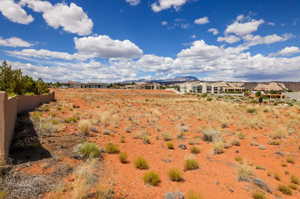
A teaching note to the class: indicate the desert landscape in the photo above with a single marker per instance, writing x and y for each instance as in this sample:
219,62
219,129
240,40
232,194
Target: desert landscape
101,143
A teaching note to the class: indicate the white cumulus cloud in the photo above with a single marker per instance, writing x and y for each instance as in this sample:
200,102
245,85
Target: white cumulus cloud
214,31
104,47
229,39
47,54
14,42
133,2
71,17
290,50
14,12
243,26
202,20
166,4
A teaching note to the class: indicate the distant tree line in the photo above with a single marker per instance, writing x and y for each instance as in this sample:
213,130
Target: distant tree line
15,83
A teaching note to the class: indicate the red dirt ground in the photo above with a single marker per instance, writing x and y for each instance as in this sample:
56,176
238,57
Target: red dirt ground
157,112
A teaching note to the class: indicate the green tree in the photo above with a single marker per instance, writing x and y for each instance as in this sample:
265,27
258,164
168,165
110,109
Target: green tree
14,82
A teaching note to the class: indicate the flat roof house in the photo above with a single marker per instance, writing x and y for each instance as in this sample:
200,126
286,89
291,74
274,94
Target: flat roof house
211,87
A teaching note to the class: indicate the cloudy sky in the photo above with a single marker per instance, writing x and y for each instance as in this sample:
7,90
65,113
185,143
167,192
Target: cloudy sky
117,40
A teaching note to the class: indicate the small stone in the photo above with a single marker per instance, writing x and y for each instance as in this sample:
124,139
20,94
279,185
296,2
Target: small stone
95,130
174,195
107,132
262,147
261,184
167,160
280,153
182,146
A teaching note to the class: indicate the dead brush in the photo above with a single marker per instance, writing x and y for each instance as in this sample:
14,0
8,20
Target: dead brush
85,178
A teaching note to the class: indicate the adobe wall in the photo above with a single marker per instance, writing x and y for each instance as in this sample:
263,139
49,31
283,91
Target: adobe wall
9,108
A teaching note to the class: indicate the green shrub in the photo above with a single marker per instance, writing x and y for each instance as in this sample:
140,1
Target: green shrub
195,150
141,163
293,186
258,195
167,137
15,83
277,177
193,195
295,180
290,160
72,119
241,136
251,110
112,148
274,142
151,178
239,159
170,145
175,175
191,164
123,157
122,139
285,190
146,140
89,150
235,142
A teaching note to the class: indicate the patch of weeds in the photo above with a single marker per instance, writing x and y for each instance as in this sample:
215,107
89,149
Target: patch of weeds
278,134
293,186
3,195
218,147
258,195
73,119
141,163
195,150
277,177
241,136
112,148
167,137
122,139
89,150
235,142
251,110
295,180
245,173
152,178
146,140
105,194
191,164
285,190
175,175
290,160
239,159
193,195
84,126
258,167
123,157
170,145
274,142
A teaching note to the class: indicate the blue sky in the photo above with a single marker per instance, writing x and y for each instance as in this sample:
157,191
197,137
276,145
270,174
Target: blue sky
116,40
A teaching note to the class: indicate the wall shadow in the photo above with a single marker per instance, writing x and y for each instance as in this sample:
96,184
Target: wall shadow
25,145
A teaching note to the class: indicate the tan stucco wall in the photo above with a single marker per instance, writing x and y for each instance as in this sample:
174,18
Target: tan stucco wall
9,108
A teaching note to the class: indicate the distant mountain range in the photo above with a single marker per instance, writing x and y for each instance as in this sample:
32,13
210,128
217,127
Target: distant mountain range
167,81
